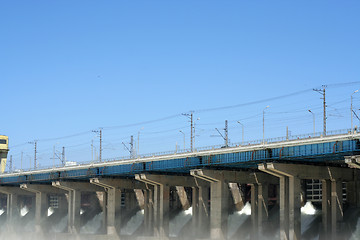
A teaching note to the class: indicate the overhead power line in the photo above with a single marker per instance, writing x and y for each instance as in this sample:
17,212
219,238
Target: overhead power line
253,102
143,123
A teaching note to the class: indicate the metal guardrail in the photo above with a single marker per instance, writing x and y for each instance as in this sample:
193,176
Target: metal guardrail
199,149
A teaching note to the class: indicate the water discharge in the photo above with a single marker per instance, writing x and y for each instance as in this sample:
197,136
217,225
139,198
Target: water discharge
133,224
50,211
179,221
93,225
238,220
24,211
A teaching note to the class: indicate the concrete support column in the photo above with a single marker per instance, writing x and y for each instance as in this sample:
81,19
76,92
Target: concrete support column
164,210
326,209
284,207
337,212
13,211
263,213
42,205
161,211
204,210
219,209
150,215
74,200
195,212
259,208
200,210
160,205
294,208
254,211
104,206
156,211
113,206
147,214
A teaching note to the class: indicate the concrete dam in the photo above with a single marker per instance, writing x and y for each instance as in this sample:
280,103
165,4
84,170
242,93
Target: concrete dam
302,188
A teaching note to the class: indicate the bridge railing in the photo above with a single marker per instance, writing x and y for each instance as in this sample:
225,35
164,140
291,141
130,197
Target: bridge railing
198,149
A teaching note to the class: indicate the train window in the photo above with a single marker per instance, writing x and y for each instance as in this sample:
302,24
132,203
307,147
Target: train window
2,141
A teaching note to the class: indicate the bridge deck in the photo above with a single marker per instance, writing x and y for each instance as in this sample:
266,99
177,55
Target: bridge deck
328,150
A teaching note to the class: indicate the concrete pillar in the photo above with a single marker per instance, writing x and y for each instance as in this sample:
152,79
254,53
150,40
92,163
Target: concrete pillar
160,204
42,205
326,209
337,212
200,210
195,212
74,201
156,211
284,207
13,211
150,208
204,210
263,213
161,196
254,211
219,209
147,221
164,210
294,208
113,206
259,208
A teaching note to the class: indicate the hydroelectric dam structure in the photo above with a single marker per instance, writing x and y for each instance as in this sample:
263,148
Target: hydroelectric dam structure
277,177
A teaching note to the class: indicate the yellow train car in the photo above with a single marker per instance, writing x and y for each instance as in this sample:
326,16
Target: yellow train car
4,149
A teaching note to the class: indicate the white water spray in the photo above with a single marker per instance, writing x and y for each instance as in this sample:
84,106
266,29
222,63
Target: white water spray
308,209
93,225
236,219
50,211
133,224
24,211
308,216
60,226
179,221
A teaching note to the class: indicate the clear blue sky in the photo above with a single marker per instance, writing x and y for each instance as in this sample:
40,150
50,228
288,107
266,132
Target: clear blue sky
69,67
